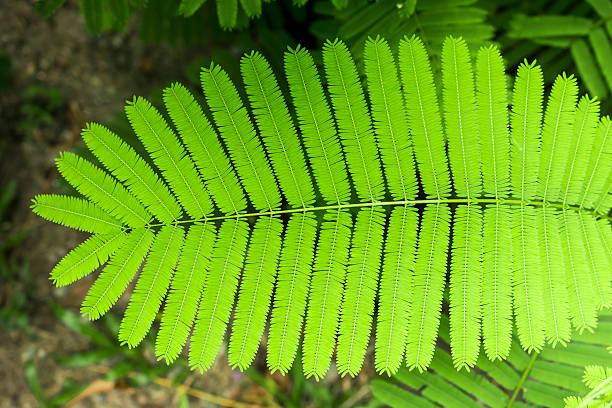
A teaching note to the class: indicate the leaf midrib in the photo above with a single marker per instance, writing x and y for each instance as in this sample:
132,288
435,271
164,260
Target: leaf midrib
336,207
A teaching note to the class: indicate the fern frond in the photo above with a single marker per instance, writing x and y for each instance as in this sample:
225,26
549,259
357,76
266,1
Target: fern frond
239,135
389,119
188,7
466,285
129,168
227,12
86,257
596,169
556,136
256,287
424,117
317,126
581,293
353,120
289,308
394,292
185,291
360,290
526,120
557,325
492,108
152,285
528,231
168,155
428,285
587,117
101,189
460,118
597,261
74,212
203,143
252,8
528,286
325,297
497,264
117,274
218,295
277,130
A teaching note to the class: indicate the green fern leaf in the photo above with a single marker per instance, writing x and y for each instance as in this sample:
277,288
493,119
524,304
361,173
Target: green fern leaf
117,274
87,257
167,153
294,272
353,120
282,144
497,265
428,285
255,291
123,162
218,295
227,12
390,124
492,101
202,141
317,125
185,291
101,189
424,117
75,213
394,292
512,203
325,296
152,285
360,290
239,135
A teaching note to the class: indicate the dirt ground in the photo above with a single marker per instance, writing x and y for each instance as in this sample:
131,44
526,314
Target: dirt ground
96,76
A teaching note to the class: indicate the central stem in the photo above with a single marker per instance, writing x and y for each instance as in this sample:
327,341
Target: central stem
393,203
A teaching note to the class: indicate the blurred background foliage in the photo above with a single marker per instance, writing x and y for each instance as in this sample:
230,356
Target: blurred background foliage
146,44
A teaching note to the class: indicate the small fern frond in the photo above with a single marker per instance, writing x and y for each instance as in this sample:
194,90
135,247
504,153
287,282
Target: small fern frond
596,169
428,285
492,103
239,135
325,297
218,295
76,213
317,126
277,129
289,308
256,287
526,120
465,286
202,142
167,154
497,266
360,290
100,188
389,119
585,123
394,291
424,117
152,285
353,120
117,274
185,291
129,168
460,118
87,257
